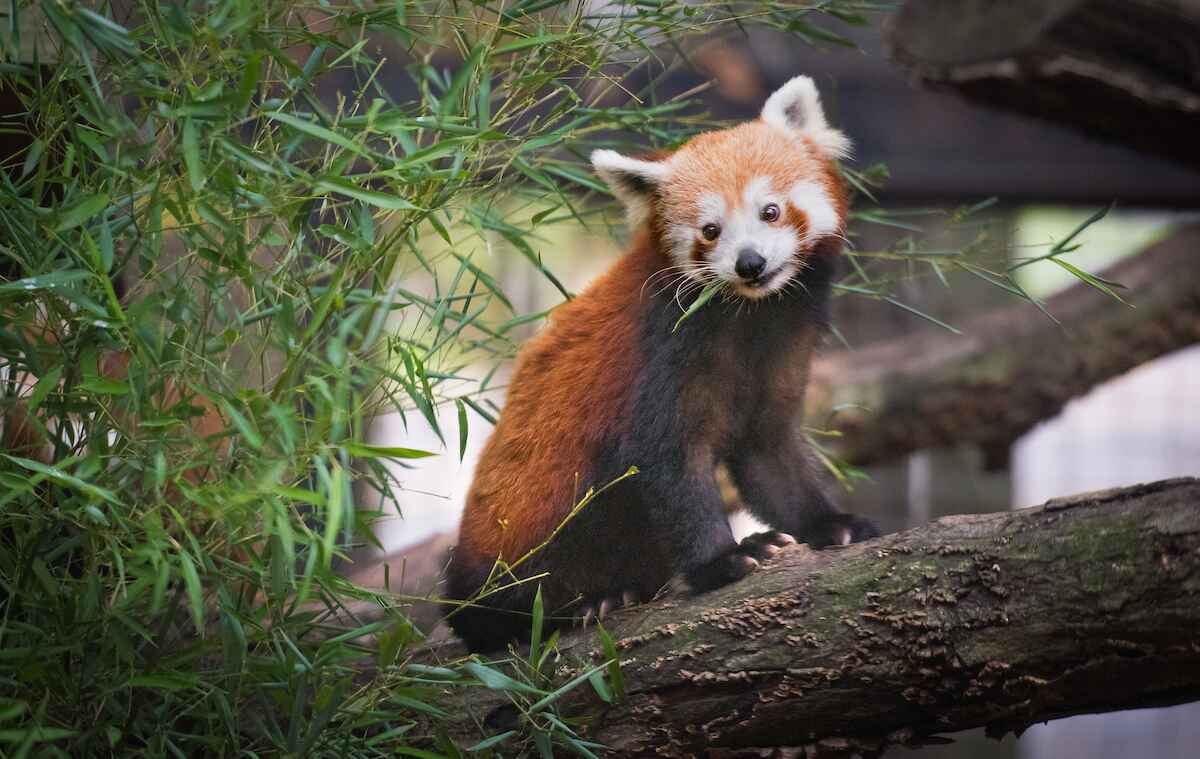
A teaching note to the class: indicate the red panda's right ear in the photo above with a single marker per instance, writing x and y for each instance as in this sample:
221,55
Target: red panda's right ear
632,181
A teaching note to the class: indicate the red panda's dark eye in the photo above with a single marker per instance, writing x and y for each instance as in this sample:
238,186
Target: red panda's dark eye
770,212
710,232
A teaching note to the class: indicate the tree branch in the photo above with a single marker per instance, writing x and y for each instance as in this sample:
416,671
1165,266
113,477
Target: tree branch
997,620
1121,70
1012,368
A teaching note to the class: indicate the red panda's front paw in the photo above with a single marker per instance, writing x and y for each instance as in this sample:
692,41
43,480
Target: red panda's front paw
721,571
764,545
739,561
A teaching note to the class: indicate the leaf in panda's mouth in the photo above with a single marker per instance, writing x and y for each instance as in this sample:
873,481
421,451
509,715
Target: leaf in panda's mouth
711,289
762,280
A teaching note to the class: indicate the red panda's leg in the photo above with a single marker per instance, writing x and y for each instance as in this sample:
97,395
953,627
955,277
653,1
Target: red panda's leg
689,514
779,484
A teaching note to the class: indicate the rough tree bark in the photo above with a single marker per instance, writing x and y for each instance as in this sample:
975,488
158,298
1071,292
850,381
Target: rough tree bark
1084,604
1122,70
1012,368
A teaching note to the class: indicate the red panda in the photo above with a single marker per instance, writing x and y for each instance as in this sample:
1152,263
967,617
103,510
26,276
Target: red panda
26,435
611,384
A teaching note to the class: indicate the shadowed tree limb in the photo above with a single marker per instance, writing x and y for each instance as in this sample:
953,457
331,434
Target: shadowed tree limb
1121,70
1012,368
1085,604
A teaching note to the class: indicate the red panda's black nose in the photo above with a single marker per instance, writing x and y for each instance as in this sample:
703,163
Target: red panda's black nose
749,264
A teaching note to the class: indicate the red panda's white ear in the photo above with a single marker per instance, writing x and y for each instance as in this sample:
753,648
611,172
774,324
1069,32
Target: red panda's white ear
632,180
796,107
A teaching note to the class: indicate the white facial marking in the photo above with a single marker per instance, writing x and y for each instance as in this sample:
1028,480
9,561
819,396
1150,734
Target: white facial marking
711,207
742,228
682,237
813,200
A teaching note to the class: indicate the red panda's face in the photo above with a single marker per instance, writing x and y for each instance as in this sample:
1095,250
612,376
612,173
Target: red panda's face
745,205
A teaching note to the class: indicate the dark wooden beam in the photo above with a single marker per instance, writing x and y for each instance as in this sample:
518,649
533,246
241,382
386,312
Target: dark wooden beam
1126,71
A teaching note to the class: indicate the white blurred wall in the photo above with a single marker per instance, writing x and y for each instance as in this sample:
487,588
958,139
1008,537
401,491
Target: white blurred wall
1142,426
1139,427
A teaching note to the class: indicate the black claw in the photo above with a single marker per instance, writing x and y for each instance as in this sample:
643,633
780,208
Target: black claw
596,607
606,606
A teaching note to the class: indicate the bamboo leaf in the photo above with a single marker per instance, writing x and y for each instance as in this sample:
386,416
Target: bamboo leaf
1102,285
195,593
923,315
386,451
59,477
191,156
82,211
462,428
377,199
711,289
535,638
495,740
319,132
497,680
53,281
565,688
615,674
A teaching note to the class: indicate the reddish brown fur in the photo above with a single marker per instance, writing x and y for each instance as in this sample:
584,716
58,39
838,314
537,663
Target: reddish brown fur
795,218
21,435
570,390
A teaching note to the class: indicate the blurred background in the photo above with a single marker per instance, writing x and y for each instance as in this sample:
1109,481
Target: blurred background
942,152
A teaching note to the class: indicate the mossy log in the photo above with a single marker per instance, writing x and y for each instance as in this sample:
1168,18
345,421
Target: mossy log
1012,368
1084,604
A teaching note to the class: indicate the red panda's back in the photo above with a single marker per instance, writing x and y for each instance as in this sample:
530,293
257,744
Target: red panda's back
569,393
